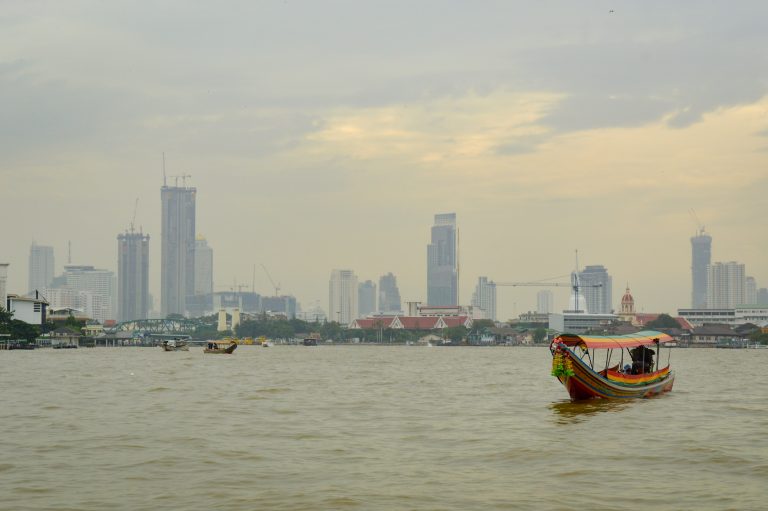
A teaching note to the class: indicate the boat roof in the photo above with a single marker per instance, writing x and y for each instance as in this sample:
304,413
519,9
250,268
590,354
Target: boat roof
223,342
644,338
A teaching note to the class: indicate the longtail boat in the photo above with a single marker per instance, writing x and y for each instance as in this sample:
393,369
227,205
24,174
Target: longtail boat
225,347
574,360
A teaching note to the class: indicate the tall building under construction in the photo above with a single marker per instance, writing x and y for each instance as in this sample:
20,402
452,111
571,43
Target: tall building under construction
177,265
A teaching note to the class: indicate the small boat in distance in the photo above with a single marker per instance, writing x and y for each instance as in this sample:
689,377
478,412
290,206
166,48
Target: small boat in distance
312,339
574,365
174,345
223,347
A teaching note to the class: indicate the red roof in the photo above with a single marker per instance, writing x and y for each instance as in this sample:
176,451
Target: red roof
419,322
451,321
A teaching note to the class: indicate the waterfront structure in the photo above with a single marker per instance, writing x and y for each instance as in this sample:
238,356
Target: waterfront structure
177,264
342,296
597,288
545,302
756,314
701,257
4,285
389,294
579,322
40,267
203,267
366,298
132,275
484,297
442,263
725,285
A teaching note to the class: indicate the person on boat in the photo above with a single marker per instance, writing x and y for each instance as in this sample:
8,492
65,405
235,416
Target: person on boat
642,359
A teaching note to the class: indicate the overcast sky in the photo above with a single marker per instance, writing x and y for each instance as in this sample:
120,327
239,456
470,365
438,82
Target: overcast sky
326,134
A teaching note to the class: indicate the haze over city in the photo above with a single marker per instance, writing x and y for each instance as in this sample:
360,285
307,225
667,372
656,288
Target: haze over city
328,135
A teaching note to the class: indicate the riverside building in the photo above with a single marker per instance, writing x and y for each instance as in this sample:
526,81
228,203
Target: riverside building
725,285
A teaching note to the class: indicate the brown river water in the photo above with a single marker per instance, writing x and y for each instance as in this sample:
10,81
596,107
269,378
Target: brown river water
372,428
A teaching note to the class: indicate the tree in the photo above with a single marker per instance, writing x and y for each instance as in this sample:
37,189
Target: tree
663,321
455,333
479,325
539,334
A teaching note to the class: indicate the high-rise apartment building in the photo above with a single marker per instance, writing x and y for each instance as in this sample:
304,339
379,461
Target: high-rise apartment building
484,297
389,294
3,285
342,296
132,275
40,267
762,296
177,265
87,288
701,257
203,267
366,298
545,302
725,285
597,288
442,265
750,291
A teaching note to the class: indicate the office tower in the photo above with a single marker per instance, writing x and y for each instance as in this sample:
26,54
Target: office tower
94,290
342,296
177,265
442,268
596,287
40,267
203,267
133,275
485,297
389,294
762,296
701,257
725,285
750,291
4,286
545,302
366,298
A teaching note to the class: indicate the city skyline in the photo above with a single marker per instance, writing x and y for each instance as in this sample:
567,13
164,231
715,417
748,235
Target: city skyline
518,131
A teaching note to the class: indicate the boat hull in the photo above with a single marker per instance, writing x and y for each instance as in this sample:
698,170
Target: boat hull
224,351
585,383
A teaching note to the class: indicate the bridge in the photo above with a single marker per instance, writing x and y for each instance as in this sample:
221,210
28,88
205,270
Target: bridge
156,327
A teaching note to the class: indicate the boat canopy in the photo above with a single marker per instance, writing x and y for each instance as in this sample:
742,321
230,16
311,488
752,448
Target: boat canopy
644,338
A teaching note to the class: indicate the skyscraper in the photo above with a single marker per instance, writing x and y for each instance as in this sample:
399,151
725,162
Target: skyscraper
366,298
485,297
545,302
132,275
701,257
342,296
597,288
177,265
442,268
40,267
389,294
725,285
3,285
203,267
750,291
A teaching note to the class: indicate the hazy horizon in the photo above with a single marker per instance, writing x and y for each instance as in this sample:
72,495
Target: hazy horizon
327,135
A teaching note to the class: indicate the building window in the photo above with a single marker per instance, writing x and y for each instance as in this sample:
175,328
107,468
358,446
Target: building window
37,307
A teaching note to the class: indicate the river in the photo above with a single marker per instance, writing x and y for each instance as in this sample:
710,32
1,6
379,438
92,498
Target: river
372,428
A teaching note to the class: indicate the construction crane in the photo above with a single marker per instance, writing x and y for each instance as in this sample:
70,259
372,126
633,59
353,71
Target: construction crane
695,217
135,207
277,287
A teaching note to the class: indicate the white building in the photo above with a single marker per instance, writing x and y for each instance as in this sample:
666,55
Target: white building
545,302
579,323
484,297
87,288
755,314
203,267
28,310
342,296
726,283
40,267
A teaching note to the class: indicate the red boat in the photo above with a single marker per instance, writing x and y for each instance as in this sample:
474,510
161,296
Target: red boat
636,375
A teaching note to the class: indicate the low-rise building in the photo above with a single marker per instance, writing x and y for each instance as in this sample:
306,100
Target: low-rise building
27,309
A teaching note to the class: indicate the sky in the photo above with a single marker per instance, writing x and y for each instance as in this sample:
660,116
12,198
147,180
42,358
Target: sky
327,134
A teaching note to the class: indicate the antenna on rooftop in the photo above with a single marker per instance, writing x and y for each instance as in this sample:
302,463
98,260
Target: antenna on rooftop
133,219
